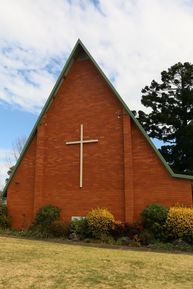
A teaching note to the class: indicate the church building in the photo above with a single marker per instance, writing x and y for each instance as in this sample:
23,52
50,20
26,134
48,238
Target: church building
87,150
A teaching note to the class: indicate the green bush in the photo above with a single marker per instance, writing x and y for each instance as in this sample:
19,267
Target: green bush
154,218
5,220
3,210
80,228
59,228
100,222
45,217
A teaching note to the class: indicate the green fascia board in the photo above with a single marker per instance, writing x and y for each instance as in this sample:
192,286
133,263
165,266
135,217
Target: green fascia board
62,75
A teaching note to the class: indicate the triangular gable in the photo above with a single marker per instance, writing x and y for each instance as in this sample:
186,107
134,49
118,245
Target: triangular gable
77,48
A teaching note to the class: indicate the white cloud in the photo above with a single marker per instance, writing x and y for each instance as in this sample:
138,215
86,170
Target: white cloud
132,41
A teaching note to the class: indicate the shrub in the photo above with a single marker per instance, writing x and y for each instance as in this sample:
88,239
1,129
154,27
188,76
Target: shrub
3,210
5,220
125,233
135,242
107,239
45,216
146,238
154,217
59,228
179,223
36,232
133,230
117,230
80,228
100,222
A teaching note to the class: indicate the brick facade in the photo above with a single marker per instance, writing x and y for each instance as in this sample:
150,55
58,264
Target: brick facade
121,171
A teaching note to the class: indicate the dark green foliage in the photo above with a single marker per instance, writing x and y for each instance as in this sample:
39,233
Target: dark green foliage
45,217
5,220
146,238
80,228
154,217
171,116
3,210
154,213
60,228
47,214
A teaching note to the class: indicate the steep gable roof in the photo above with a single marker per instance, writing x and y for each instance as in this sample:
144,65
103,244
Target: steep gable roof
79,46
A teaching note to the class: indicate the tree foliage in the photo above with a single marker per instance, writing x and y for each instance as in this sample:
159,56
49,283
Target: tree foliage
9,172
171,117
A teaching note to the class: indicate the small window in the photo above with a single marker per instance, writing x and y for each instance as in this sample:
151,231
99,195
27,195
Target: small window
77,218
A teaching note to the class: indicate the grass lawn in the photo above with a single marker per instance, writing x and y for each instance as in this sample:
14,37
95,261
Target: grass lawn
40,264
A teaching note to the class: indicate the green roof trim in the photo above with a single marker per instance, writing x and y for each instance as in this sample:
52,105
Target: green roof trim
78,46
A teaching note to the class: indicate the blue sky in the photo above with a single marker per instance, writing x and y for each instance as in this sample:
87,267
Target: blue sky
13,124
132,41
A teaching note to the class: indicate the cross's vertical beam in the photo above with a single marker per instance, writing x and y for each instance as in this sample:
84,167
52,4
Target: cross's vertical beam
81,154
81,142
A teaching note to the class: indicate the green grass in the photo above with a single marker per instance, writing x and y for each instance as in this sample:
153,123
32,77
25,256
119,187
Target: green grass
40,264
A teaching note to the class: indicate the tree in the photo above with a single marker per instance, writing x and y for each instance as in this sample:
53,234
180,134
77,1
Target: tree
17,148
171,117
9,172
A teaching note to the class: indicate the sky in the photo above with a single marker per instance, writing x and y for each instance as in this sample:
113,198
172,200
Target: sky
131,40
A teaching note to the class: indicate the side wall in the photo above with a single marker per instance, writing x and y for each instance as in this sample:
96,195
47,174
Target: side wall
152,182
20,195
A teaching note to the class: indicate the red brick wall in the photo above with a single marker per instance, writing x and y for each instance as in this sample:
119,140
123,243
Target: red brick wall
49,172
84,98
20,196
152,182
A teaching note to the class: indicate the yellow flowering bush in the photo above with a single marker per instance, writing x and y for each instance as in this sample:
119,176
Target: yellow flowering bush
179,223
100,221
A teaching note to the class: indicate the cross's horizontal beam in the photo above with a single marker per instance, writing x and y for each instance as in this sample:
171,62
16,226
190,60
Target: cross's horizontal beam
84,141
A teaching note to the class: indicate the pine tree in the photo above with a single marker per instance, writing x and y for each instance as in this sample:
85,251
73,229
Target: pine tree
171,116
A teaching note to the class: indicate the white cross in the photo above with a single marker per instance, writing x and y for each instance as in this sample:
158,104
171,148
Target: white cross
81,142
